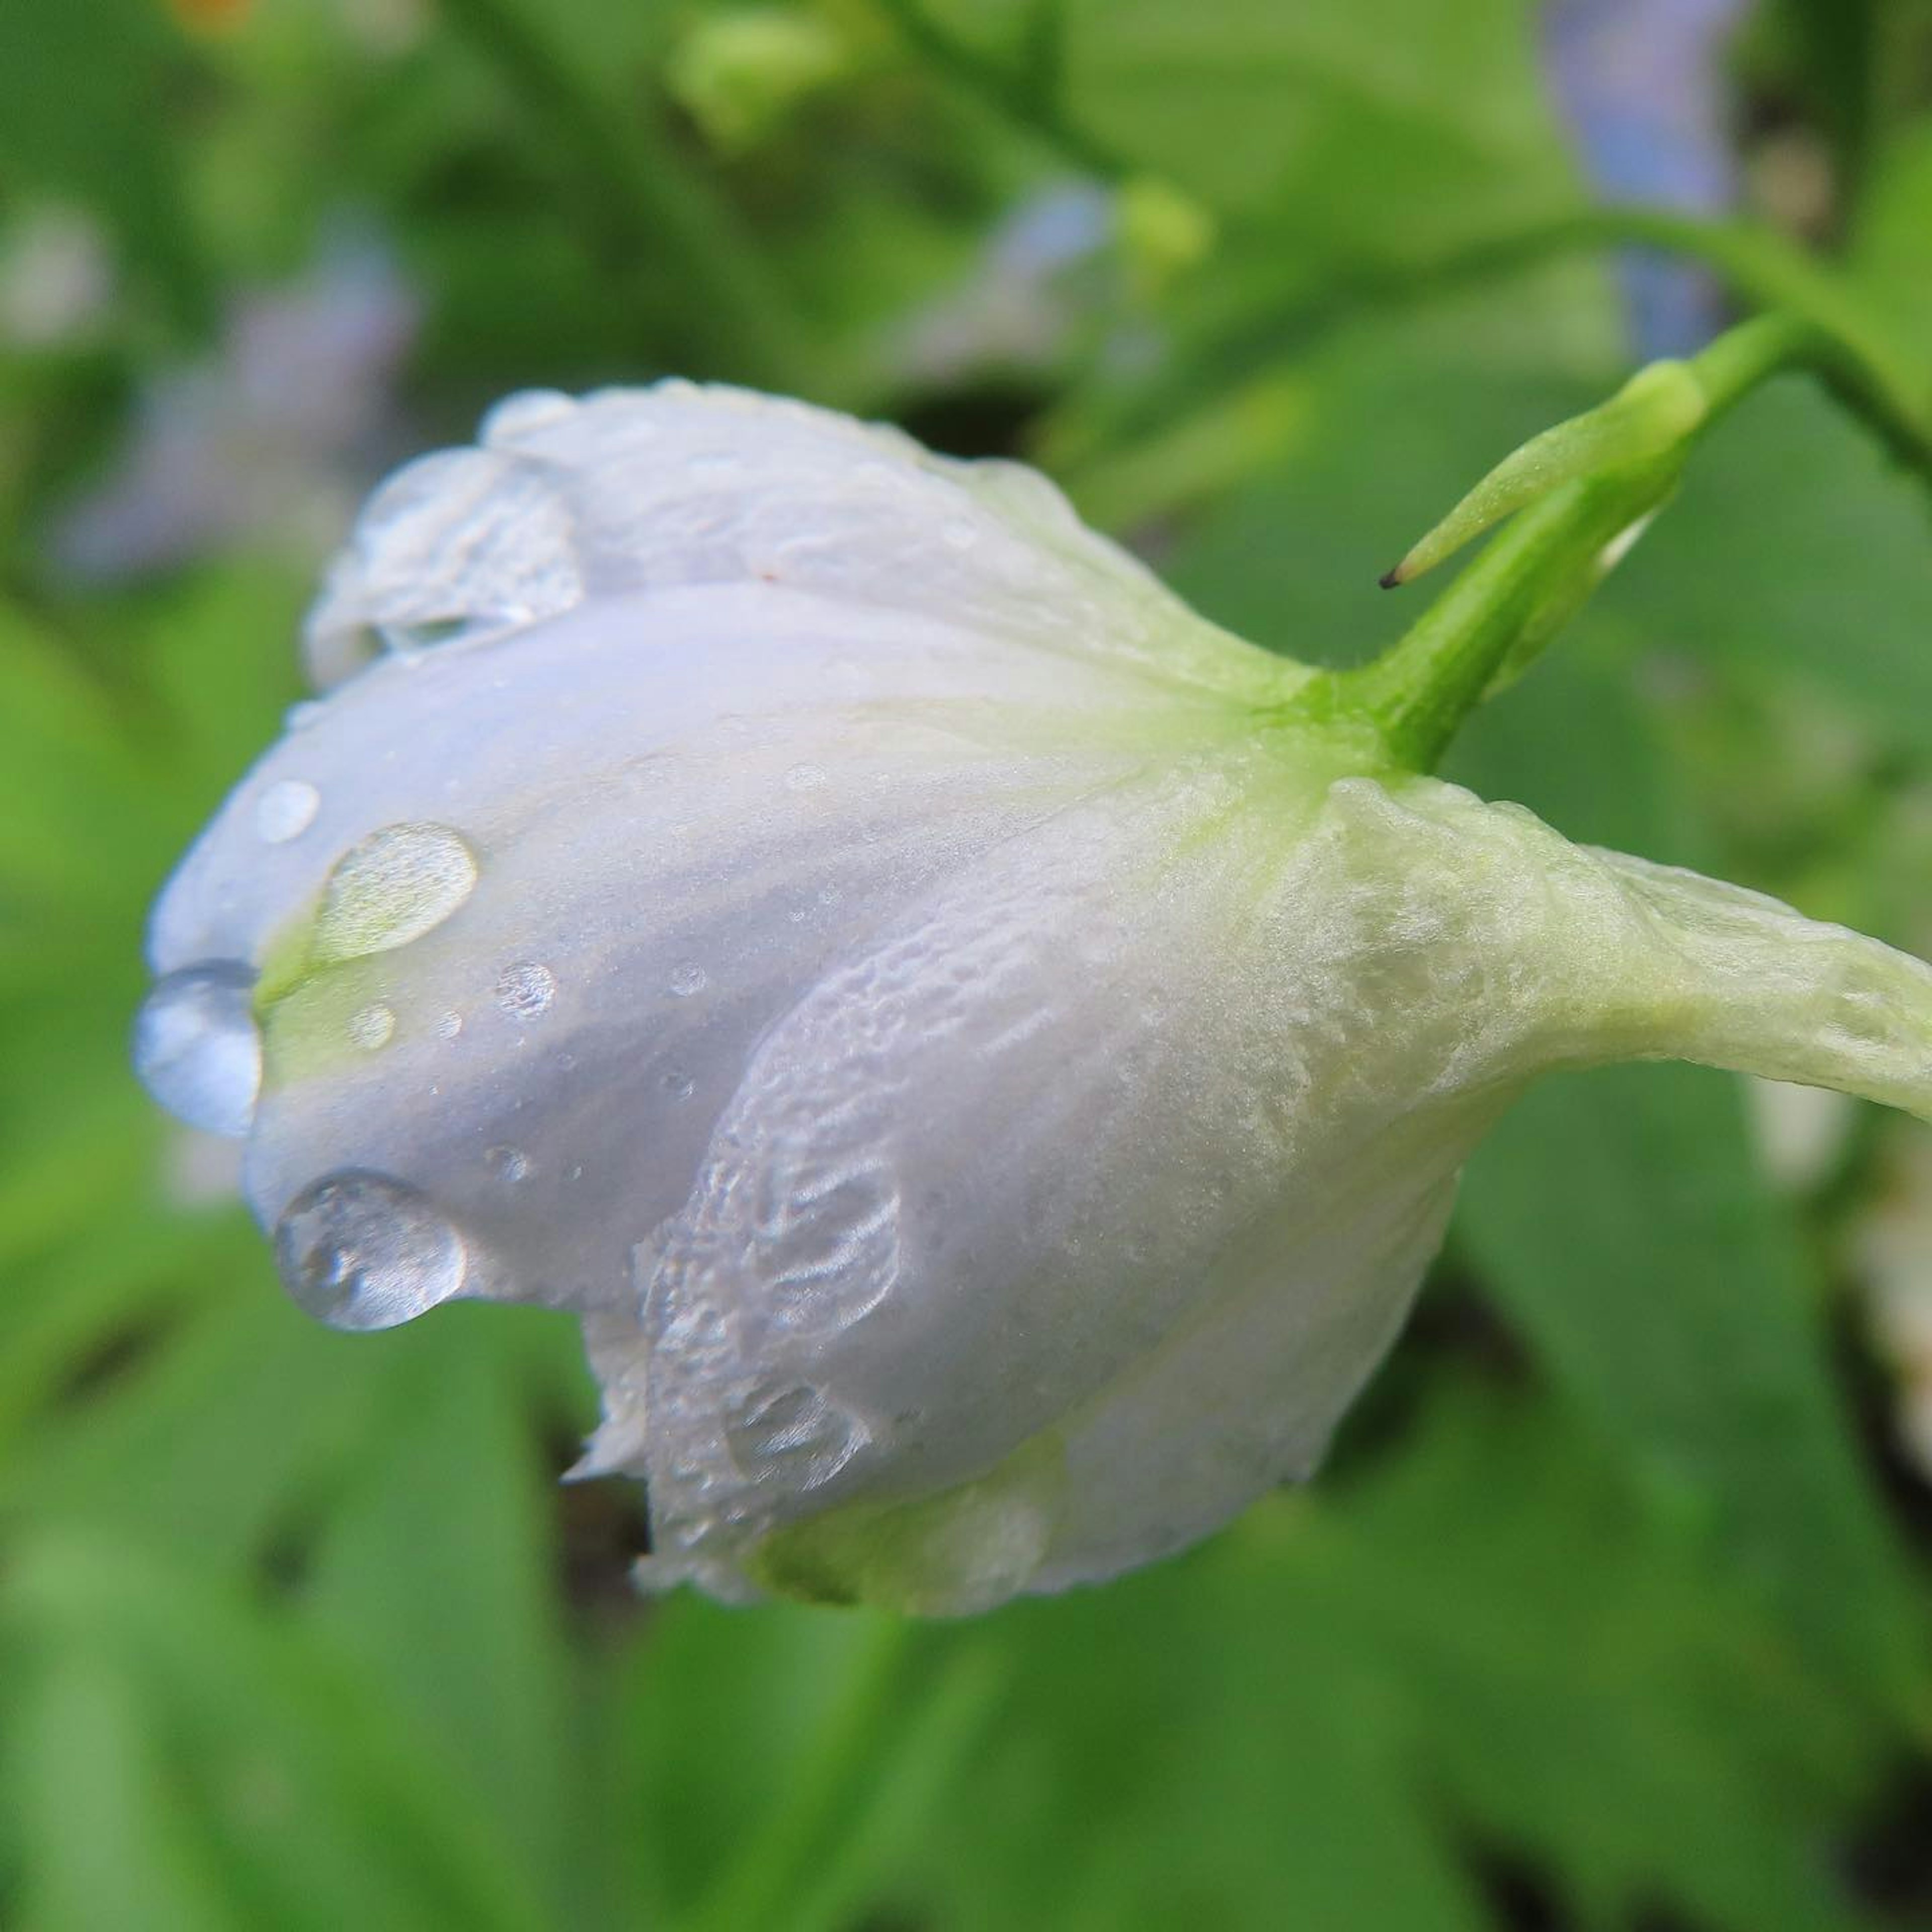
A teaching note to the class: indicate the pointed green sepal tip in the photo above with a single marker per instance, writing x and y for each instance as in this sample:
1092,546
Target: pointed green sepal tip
1659,408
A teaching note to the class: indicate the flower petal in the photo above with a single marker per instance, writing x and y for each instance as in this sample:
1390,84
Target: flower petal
680,484
555,885
1045,1235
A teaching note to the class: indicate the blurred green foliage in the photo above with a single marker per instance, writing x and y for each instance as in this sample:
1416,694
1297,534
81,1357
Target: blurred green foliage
1612,1610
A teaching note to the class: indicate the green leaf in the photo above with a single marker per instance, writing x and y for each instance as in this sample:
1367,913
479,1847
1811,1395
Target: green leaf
83,96
108,1842
318,1803
435,1572
1752,568
1592,1690
1488,1636
1355,127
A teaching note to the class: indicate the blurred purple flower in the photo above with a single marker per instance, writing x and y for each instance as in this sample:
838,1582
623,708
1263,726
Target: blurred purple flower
270,444
1641,84
1014,310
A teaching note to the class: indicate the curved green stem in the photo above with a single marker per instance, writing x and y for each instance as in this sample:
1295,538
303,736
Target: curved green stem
1028,95
1763,270
1496,614
1504,608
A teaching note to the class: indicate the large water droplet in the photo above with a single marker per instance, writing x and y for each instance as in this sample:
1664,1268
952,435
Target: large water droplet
360,1251
396,885
197,1049
791,1436
464,544
286,811
526,989
471,534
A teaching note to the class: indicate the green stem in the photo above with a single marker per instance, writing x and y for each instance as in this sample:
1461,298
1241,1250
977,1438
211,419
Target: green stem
1823,329
666,229
777,1863
1029,96
1530,576
1501,610
1759,268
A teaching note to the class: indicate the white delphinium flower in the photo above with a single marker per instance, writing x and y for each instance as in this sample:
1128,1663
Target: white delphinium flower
986,1053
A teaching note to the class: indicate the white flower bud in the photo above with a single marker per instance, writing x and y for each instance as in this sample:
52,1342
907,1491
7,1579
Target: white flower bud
989,1076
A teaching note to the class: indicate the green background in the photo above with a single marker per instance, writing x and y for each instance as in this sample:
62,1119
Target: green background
1611,1607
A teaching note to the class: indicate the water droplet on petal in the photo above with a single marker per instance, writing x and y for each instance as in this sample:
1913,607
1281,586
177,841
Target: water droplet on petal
286,811
688,980
197,1049
957,534
678,1085
804,778
449,1025
526,989
396,885
477,539
508,1164
372,1027
359,1251
792,1436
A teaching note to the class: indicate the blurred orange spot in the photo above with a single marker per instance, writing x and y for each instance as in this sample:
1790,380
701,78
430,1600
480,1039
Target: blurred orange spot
209,13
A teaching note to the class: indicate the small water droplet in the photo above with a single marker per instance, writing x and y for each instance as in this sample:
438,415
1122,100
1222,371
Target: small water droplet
687,980
792,1436
197,1049
302,714
286,811
526,989
394,887
509,1164
372,1027
449,1024
957,534
804,778
679,1085
360,1251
